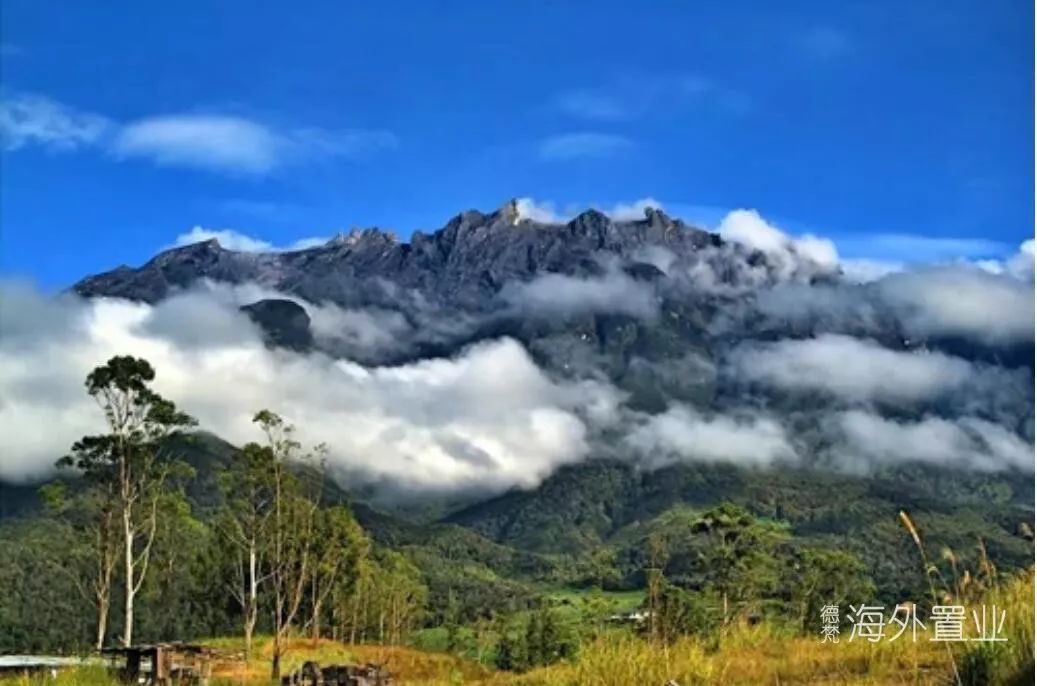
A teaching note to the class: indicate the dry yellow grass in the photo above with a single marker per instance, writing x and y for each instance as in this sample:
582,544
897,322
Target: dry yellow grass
748,656
408,665
743,655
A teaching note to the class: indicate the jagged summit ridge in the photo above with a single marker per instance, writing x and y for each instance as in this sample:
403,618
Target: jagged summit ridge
466,260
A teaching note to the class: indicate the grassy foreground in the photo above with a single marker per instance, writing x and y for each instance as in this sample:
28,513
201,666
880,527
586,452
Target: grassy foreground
741,655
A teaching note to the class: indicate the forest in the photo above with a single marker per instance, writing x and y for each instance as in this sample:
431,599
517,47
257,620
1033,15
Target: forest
155,530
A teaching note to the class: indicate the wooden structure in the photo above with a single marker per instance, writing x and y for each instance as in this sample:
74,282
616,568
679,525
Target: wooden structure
311,674
164,664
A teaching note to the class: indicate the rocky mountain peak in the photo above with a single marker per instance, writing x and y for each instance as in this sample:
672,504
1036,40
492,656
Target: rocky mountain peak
465,262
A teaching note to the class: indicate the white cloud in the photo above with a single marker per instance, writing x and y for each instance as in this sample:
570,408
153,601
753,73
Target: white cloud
368,330
851,368
683,434
562,295
1019,266
750,229
213,142
234,240
36,120
969,443
488,418
865,271
542,212
625,212
961,301
235,144
546,212
583,145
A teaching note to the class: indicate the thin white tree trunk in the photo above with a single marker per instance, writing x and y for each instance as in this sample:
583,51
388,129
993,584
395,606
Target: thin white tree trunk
127,530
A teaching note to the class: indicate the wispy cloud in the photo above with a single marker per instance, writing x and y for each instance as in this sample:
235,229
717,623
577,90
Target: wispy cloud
825,42
586,144
212,142
635,96
235,240
219,143
33,120
916,248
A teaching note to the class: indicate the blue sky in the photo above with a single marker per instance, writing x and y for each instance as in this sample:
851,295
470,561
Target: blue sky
904,130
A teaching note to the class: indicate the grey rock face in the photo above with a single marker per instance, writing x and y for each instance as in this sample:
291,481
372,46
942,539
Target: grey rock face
463,264
285,324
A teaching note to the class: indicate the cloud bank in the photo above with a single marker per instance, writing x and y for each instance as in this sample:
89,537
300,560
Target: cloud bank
488,418
562,295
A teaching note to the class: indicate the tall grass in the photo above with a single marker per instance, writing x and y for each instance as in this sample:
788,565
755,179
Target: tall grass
984,663
87,675
1008,662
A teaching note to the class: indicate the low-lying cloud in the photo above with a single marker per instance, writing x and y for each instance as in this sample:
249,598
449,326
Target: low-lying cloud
909,367
850,368
682,434
965,443
561,295
962,301
487,418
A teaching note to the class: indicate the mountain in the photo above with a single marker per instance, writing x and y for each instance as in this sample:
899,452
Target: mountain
463,264
676,369
667,313
593,295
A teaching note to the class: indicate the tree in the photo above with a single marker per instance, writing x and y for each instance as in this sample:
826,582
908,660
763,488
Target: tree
511,647
399,596
295,503
451,622
129,463
737,561
655,579
91,514
339,546
818,577
247,486
352,599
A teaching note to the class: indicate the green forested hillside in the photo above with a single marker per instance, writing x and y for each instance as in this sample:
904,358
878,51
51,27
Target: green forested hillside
590,524
584,507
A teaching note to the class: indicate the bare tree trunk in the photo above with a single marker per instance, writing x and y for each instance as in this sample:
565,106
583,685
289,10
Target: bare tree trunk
315,624
102,620
252,602
356,609
107,551
275,658
127,531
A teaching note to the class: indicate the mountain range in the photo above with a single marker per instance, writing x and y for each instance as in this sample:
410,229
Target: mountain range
505,391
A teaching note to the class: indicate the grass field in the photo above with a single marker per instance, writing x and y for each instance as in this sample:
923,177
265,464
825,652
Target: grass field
760,654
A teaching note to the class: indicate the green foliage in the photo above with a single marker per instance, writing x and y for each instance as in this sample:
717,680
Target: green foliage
520,580
816,577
